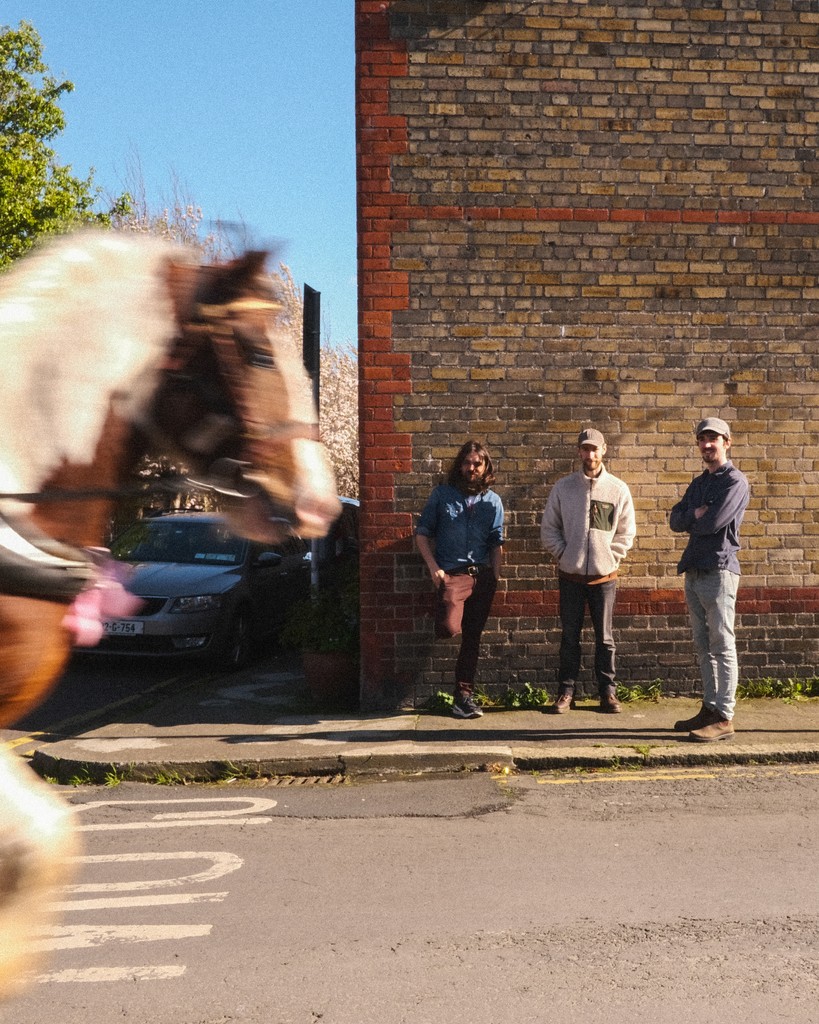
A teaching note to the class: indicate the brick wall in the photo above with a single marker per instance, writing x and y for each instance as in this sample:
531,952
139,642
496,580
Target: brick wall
587,213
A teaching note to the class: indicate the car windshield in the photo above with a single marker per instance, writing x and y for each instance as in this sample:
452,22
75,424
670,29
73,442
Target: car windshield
188,543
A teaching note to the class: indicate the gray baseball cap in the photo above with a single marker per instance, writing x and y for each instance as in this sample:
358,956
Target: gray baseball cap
591,436
715,425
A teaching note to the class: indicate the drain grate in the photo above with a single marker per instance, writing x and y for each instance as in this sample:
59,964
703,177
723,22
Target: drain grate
307,780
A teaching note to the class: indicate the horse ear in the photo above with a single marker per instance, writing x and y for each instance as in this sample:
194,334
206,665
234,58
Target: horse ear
182,284
244,270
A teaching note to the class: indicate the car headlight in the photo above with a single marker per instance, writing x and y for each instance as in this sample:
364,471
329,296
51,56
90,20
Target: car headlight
199,603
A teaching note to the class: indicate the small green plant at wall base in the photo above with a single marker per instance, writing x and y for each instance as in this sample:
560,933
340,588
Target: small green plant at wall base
526,698
439,701
80,779
782,689
170,777
640,691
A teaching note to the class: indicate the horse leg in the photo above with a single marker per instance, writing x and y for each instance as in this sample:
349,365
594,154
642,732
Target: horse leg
37,845
36,840
33,653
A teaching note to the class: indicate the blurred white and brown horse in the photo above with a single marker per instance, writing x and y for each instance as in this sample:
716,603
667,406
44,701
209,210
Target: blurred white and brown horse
113,346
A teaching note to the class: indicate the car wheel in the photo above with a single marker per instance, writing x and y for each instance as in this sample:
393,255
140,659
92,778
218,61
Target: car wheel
238,643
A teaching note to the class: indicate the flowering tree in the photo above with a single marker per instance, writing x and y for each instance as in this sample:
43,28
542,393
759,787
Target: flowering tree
338,392
338,414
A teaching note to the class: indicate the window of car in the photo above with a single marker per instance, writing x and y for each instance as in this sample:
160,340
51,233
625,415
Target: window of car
185,543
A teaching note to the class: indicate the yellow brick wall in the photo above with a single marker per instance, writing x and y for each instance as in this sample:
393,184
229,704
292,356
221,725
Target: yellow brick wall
602,214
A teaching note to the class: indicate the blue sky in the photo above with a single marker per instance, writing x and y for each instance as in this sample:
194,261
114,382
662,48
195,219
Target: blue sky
249,104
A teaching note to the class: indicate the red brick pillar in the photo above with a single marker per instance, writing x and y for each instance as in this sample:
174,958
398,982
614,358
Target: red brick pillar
383,372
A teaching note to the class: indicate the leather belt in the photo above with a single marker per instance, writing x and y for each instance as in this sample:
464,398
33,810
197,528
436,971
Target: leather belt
467,570
589,581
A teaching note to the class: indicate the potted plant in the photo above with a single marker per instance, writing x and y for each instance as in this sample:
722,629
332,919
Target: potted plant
325,629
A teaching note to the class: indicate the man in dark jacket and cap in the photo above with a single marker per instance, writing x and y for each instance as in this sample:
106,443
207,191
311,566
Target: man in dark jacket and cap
710,512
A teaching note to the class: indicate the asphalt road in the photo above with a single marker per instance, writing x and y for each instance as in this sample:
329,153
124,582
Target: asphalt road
676,896
96,686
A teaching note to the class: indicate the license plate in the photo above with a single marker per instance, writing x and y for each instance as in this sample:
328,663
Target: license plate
122,627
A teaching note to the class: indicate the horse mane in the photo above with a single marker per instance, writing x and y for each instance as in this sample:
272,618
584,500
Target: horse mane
84,324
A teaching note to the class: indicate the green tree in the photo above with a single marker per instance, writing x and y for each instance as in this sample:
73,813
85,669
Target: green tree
38,196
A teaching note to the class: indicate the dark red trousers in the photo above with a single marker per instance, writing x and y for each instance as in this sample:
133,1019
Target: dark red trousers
462,607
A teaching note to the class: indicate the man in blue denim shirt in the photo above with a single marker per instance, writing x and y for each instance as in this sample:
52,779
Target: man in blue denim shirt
711,511
460,538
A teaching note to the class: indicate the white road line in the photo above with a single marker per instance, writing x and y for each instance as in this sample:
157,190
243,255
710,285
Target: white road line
250,805
222,863
129,902
95,974
92,935
133,826
199,811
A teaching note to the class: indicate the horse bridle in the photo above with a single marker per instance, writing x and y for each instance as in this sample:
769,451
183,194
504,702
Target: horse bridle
239,356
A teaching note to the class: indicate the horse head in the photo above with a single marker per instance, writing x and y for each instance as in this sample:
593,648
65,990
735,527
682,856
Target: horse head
235,402
116,345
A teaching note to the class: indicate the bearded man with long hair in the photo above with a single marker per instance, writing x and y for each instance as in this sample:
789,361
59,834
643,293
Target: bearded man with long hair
460,538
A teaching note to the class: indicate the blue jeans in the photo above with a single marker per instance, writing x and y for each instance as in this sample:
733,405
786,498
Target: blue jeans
573,600
712,599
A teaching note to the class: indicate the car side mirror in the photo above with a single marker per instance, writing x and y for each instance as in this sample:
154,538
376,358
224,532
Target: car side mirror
268,560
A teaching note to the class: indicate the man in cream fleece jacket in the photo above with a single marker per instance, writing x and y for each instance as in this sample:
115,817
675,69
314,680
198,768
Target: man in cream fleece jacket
588,526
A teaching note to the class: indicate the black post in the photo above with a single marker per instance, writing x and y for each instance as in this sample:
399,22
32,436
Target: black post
311,354
311,337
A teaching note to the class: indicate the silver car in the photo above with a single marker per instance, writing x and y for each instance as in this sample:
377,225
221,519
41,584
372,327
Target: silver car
206,593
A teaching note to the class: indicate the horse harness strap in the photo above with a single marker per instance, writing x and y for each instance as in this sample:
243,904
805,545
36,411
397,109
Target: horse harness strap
239,363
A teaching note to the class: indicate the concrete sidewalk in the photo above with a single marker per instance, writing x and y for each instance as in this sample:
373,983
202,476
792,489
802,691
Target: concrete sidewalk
241,726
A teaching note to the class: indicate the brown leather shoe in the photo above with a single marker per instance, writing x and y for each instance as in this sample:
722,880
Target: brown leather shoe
705,716
564,702
721,729
609,702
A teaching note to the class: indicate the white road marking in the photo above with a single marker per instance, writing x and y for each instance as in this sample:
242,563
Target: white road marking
102,746
128,902
234,810
86,936
133,826
222,864
263,692
250,805
95,974
197,815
